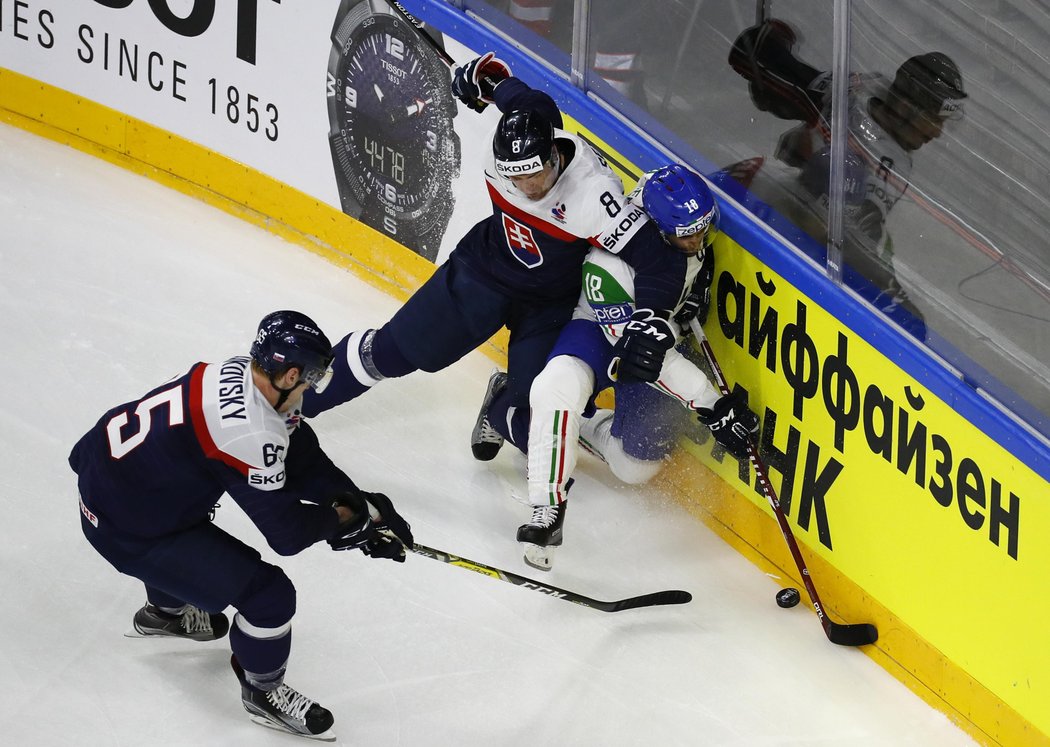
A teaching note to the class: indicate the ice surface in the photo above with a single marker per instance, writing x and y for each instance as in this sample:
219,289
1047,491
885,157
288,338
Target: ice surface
112,283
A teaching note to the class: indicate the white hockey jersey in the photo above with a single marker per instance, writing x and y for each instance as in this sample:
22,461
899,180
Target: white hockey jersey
608,300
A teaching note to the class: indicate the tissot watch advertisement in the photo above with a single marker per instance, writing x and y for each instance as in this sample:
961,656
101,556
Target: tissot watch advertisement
343,101
394,149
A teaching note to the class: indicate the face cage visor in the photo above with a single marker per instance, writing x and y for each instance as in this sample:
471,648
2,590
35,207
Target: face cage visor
318,378
315,377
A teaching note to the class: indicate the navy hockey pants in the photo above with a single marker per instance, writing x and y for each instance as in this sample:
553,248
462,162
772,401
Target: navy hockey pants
647,422
456,312
212,570
453,313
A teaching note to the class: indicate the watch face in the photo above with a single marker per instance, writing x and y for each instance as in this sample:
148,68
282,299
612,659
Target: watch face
392,133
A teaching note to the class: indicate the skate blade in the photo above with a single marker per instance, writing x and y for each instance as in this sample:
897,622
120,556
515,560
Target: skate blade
325,736
135,633
539,557
132,633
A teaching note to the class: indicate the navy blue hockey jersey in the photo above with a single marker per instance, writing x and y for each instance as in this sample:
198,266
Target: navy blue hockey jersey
533,249
159,464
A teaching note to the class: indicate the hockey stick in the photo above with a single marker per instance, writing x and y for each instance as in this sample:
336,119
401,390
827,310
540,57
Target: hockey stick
859,634
761,11
418,26
645,600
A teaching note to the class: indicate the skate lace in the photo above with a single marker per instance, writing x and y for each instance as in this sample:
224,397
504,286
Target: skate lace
487,434
290,702
544,516
196,620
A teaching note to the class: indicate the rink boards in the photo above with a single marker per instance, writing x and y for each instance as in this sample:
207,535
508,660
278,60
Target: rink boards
913,517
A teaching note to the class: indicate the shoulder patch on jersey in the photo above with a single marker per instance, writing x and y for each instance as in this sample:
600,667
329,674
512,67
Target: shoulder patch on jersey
235,424
622,228
601,288
271,476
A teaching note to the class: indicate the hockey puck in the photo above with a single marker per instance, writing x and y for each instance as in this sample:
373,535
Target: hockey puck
788,597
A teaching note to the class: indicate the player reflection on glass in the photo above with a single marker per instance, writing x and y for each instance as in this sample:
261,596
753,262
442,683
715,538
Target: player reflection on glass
888,121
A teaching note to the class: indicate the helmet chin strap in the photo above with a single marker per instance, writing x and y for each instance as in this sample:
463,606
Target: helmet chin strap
284,393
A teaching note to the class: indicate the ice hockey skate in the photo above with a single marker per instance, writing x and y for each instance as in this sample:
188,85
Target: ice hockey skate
485,442
542,535
285,709
193,623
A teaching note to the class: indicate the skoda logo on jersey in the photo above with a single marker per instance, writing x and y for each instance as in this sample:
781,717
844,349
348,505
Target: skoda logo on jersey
620,232
521,242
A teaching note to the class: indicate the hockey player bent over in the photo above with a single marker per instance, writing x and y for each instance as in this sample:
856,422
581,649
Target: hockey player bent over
552,199
151,471
612,337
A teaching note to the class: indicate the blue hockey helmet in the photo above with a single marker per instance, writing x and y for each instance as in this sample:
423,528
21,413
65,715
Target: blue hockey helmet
679,202
288,339
523,143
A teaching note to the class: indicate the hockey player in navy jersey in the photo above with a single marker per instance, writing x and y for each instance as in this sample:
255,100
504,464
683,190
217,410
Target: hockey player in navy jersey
553,198
596,349
151,471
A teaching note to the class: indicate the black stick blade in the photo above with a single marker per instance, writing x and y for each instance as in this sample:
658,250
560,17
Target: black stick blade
646,600
860,634
674,596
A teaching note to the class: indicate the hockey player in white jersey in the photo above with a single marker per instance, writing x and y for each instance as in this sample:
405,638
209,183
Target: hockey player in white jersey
888,120
613,338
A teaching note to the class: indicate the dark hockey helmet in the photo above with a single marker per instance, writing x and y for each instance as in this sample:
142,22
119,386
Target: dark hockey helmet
523,143
289,339
931,83
680,203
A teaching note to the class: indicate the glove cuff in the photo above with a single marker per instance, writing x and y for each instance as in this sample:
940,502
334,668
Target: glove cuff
705,415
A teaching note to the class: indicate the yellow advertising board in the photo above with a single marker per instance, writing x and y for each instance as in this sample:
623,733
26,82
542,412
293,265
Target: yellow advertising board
922,511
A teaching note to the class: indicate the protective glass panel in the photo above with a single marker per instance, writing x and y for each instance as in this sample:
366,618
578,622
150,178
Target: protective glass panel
954,225
544,27
944,183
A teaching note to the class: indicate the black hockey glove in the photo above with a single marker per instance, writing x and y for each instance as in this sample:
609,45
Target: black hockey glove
393,534
778,82
698,303
732,423
474,83
376,528
639,354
